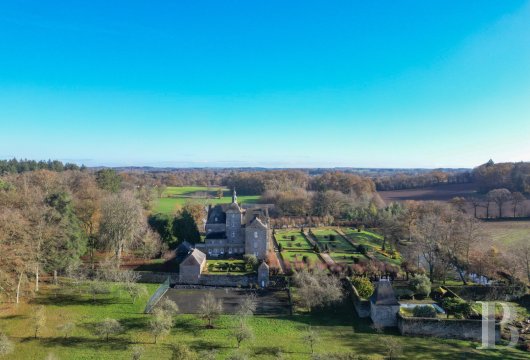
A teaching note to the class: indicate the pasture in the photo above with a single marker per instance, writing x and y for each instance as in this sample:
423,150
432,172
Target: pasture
505,233
175,197
339,330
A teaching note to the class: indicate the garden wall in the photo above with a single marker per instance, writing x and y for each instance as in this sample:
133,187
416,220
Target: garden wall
487,293
228,280
152,277
205,279
443,328
362,307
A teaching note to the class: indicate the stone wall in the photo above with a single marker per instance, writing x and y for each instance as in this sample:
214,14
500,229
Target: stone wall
443,328
384,315
228,280
157,277
362,306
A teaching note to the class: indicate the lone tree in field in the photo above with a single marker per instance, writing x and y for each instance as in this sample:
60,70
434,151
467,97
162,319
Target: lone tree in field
500,197
242,333
311,338
109,327
182,352
39,320
160,324
210,308
317,288
66,327
6,345
135,291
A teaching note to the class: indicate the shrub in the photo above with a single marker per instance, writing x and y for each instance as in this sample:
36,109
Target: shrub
425,311
332,237
421,285
280,247
458,307
364,287
362,249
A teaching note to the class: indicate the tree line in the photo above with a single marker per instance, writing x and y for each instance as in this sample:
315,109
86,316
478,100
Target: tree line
512,176
56,222
15,166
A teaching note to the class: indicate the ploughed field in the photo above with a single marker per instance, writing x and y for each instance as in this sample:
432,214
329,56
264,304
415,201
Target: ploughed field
437,193
269,302
175,196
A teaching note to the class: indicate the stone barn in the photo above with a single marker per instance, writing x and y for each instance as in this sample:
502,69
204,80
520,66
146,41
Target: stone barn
384,306
192,267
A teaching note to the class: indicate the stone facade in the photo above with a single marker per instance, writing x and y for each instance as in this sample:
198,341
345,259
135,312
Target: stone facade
384,306
191,268
263,275
231,230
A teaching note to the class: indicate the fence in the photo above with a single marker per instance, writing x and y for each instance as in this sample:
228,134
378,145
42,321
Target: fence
153,300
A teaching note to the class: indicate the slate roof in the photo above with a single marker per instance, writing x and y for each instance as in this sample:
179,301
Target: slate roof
184,248
216,215
196,257
256,222
384,294
216,235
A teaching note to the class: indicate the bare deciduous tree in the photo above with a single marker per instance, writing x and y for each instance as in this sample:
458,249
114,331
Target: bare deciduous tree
210,308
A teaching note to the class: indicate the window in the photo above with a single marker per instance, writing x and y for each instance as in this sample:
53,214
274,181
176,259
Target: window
255,234
255,245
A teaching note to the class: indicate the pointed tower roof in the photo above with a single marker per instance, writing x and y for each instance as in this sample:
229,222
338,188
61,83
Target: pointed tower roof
234,196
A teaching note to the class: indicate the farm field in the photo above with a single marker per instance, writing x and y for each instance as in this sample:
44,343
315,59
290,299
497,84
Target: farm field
505,233
175,196
339,331
437,193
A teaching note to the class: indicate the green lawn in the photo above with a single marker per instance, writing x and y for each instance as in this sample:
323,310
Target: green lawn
370,240
299,243
339,244
176,196
228,267
339,331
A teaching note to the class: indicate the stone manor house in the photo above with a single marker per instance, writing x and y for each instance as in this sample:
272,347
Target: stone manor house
233,230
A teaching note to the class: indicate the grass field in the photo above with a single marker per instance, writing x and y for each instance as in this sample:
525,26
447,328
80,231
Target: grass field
505,233
339,331
176,196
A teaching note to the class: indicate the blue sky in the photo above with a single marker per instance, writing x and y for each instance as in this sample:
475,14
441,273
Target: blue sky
266,83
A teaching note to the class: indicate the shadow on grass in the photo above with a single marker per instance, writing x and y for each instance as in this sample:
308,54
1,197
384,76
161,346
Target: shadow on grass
114,343
69,299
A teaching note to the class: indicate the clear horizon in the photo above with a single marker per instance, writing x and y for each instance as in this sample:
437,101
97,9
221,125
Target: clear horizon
266,84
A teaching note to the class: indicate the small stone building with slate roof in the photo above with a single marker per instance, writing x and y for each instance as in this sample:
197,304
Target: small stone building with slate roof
192,267
384,306
263,275
231,230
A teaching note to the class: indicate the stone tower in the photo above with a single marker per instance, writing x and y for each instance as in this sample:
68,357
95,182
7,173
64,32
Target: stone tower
233,220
